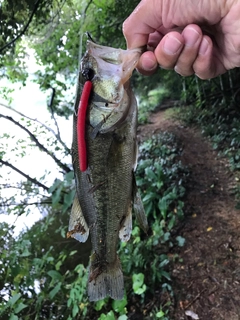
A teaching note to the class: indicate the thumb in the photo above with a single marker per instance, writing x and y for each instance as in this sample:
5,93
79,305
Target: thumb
142,21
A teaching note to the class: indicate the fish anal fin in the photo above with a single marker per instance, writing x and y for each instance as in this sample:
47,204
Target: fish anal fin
126,226
78,228
106,280
139,209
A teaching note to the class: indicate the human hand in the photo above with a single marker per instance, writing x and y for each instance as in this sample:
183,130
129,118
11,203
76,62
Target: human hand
193,37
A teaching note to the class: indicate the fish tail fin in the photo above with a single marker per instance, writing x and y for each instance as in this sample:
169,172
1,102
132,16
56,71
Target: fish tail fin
106,281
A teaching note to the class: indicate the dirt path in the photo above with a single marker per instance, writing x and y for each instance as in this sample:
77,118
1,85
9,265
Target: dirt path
207,283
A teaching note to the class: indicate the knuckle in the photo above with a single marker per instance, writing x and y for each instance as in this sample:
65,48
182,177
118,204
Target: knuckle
202,71
184,72
125,26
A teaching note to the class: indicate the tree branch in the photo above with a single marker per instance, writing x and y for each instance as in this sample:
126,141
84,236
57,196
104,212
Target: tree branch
25,28
21,187
38,144
26,204
57,135
86,8
52,113
33,180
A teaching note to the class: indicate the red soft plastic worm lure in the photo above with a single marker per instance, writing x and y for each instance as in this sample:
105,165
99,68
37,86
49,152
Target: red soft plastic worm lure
81,123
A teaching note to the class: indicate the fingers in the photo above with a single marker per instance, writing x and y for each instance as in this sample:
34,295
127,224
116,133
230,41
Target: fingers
142,22
208,64
147,64
189,52
166,53
179,51
192,35
169,50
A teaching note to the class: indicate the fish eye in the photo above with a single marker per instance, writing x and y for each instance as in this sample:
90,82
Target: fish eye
88,73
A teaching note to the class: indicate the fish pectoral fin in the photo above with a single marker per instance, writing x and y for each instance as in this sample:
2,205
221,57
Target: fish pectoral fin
78,228
138,208
126,226
105,280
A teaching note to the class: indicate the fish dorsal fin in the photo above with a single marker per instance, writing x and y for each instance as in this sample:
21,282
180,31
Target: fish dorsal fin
78,228
126,226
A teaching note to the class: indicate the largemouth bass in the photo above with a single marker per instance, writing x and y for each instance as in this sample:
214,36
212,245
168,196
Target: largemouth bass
106,192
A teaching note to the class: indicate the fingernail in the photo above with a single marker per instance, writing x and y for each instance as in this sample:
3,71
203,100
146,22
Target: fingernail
149,64
203,47
171,45
176,69
191,36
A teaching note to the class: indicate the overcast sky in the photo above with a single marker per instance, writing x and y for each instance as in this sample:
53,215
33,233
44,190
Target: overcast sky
30,101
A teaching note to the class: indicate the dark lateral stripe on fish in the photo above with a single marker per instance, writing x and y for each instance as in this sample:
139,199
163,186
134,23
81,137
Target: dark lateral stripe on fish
81,120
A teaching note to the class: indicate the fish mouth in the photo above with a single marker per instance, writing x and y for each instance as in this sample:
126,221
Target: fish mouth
109,69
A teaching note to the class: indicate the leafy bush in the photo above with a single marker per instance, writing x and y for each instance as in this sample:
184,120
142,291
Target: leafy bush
150,101
161,179
215,109
46,281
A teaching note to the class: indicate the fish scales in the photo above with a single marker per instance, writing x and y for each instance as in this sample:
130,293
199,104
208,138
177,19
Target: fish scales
112,173
106,192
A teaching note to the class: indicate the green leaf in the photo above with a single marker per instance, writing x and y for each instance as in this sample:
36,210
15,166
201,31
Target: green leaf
163,206
57,195
26,253
13,317
119,305
150,174
164,263
68,200
123,317
55,275
69,302
73,294
69,176
160,314
166,236
14,299
73,252
58,265
20,307
75,310
55,290
54,186
99,304
63,232
138,283
180,240
171,223
108,316
166,275
148,196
